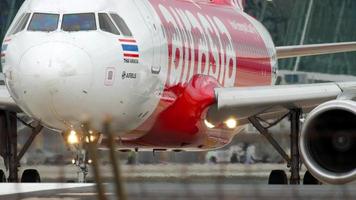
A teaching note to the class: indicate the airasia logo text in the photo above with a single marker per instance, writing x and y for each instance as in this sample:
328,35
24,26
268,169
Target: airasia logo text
198,44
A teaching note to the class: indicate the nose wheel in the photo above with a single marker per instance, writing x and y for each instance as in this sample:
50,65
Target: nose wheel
82,162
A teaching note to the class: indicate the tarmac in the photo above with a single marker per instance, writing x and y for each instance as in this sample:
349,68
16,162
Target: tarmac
232,173
177,191
170,182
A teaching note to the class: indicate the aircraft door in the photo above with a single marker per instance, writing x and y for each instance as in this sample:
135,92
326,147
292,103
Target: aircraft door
151,21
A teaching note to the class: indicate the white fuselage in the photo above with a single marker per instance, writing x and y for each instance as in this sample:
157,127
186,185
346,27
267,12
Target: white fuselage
61,78
64,78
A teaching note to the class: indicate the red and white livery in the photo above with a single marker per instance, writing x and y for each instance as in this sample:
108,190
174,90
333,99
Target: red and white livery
172,75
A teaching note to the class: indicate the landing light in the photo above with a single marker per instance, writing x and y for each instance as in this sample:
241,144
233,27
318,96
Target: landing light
208,124
231,123
73,137
91,137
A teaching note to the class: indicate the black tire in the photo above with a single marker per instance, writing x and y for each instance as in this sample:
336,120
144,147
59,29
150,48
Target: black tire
213,160
309,179
30,176
2,177
233,158
278,177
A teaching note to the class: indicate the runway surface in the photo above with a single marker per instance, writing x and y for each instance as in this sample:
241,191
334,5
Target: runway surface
170,182
233,173
179,191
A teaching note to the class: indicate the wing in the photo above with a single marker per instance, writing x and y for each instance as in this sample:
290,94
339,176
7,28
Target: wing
272,101
314,49
6,101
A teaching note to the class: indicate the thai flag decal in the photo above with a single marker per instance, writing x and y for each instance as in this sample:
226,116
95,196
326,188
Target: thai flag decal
130,50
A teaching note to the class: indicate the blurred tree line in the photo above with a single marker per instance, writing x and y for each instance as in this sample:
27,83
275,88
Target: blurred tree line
287,21
329,21
8,9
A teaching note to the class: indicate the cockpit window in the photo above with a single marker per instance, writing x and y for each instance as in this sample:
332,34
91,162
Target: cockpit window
79,22
106,24
44,22
121,24
21,24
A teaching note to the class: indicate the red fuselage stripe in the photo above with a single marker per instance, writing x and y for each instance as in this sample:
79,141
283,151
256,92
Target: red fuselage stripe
127,40
131,55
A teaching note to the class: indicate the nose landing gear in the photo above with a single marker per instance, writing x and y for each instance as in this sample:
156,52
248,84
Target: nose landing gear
81,162
78,143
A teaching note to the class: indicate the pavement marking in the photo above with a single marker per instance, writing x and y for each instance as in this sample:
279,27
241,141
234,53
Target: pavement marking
83,194
46,198
17,188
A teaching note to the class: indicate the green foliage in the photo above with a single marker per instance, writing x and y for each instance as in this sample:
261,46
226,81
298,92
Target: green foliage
8,9
330,21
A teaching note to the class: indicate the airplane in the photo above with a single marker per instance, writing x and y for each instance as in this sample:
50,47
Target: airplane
179,75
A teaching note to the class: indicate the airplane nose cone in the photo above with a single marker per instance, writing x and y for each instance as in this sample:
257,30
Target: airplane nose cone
55,79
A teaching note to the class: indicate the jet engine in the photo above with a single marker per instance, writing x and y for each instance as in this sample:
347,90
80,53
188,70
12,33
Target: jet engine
328,142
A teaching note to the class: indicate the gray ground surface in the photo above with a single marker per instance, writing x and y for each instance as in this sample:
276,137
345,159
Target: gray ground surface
159,172
205,191
170,182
